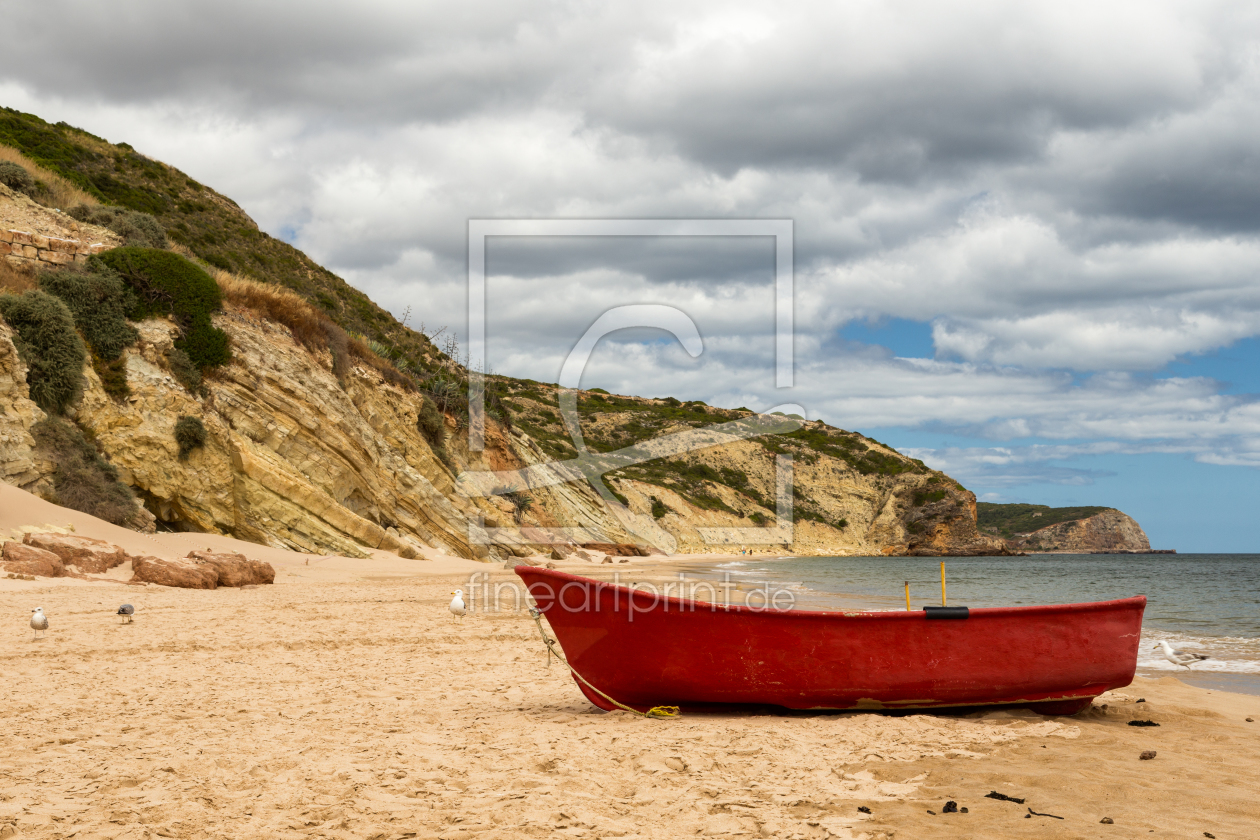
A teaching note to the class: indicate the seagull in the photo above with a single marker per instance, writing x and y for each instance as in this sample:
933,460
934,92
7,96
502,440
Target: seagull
457,604
126,611
39,621
1180,657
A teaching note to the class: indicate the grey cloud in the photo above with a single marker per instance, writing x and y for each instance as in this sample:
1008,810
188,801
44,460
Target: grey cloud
391,61
725,260
963,86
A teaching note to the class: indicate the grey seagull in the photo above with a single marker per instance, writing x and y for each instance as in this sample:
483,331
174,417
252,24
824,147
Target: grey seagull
39,621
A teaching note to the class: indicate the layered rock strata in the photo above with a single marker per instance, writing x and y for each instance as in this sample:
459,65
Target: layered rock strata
1110,530
19,464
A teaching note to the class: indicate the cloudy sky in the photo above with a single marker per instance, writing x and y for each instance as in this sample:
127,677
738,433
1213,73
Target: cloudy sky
1027,241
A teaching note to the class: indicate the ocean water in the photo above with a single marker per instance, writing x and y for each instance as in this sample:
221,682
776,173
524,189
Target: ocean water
1205,603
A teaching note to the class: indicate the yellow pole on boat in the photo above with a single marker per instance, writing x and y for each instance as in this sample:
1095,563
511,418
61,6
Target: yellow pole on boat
907,596
942,583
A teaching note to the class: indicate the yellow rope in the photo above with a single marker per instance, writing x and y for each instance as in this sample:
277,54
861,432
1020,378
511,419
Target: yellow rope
654,712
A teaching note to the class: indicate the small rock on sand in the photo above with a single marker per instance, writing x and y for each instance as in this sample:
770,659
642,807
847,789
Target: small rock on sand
1147,755
29,560
89,555
1107,821
180,573
234,569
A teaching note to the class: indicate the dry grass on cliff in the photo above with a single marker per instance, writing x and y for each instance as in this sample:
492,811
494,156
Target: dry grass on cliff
310,327
58,192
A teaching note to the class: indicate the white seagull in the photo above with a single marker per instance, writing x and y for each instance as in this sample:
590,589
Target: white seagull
39,621
1180,657
457,604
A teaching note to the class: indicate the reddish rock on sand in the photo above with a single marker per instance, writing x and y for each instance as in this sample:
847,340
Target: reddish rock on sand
622,549
234,569
89,555
29,560
181,573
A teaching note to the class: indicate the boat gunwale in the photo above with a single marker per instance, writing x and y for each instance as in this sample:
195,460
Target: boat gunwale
693,605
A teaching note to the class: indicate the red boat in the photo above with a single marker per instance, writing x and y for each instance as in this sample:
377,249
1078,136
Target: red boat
644,649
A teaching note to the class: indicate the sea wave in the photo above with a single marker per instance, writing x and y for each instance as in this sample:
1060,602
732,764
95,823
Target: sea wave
1227,654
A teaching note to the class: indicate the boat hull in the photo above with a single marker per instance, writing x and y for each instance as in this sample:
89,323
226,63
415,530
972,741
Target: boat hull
645,650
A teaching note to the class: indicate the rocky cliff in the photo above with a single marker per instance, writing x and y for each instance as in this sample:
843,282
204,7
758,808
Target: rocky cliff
1028,527
19,464
1110,530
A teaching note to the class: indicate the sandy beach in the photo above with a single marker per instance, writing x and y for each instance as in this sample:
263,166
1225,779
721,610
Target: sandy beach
345,701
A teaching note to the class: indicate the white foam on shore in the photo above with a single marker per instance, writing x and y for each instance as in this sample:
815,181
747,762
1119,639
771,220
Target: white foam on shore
1229,654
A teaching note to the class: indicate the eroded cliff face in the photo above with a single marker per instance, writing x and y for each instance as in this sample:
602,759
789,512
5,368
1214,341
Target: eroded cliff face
920,513
19,463
295,458
1110,530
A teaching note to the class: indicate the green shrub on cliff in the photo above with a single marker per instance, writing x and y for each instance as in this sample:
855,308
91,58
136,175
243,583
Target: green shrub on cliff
113,376
83,480
167,284
431,424
16,177
521,501
47,341
926,497
136,228
204,343
99,301
190,434
1007,520
184,371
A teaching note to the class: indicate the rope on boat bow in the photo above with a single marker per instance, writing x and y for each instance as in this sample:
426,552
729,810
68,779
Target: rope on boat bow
654,712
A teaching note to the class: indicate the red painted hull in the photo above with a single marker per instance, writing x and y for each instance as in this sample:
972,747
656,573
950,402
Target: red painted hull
646,650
